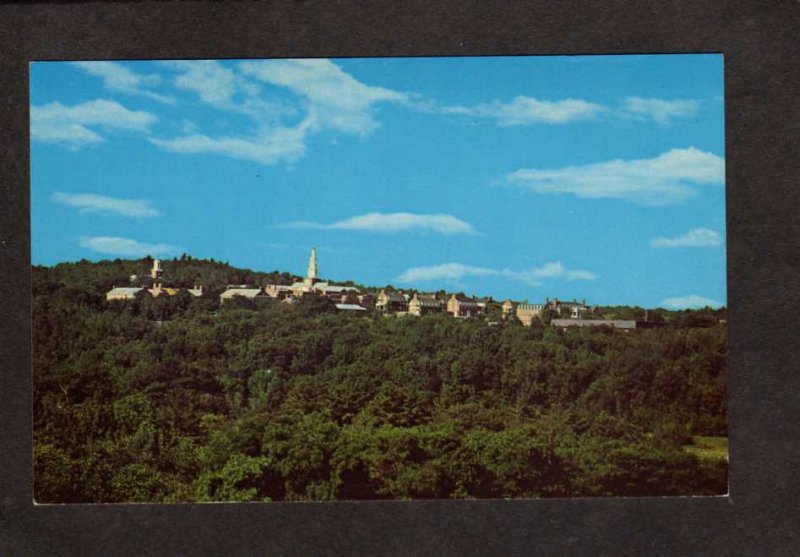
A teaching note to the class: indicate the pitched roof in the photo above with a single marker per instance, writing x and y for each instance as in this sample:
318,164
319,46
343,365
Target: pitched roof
615,323
350,307
325,287
428,302
572,303
466,302
124,291
244,292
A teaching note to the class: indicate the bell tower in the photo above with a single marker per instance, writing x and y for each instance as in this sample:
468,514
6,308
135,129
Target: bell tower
156,271
311,274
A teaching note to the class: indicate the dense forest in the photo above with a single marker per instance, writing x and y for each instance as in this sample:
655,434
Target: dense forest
175,399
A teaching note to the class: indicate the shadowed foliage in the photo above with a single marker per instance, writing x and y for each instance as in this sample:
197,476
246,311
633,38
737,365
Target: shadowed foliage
176,399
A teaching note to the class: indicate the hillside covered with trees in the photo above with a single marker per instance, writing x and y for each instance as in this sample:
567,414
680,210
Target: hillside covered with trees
177,399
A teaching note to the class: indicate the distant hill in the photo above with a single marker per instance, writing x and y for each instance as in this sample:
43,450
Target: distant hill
186,271
182,272
179,399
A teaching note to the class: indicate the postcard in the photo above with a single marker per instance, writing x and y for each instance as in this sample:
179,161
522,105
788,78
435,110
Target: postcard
487,277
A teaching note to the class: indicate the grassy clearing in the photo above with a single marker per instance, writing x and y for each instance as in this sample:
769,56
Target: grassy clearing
709,448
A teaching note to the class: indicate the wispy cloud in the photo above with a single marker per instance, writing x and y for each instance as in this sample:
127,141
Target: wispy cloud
113,245
92,203
335,99
212,82
226,89
695,238
77,125
331,99
119,78
660,110
525,111
268,147
665,179
445,271
453,272
691,301
394,222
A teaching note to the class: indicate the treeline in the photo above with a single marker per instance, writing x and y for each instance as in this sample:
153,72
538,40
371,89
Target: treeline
182,272
174,399
704,317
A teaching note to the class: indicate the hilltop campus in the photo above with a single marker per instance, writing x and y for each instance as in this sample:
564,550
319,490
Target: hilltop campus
388,301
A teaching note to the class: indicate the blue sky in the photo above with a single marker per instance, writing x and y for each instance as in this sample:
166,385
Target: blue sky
596,177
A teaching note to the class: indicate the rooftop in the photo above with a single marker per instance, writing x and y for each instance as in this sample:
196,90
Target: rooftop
125,290
615,323
350,307
427,301
245,292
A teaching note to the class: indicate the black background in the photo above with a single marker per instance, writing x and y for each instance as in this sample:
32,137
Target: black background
760,44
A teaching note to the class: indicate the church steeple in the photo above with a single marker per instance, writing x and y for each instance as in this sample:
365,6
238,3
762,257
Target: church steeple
311,274
312,264
156,271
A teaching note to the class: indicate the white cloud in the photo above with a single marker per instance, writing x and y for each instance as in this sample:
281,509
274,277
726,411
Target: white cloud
445,271
661,180
210,80
695,238
691,301
92,203
661,110
119,78
551,270
524,111
336,100
332,100
113,245
266,148
72,125
457,271
394,222
225,89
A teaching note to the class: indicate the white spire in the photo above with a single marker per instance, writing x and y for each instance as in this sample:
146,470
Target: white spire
312,265
155,272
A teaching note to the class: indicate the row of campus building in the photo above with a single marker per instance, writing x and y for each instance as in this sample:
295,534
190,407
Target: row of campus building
156,290
392,302
350,298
